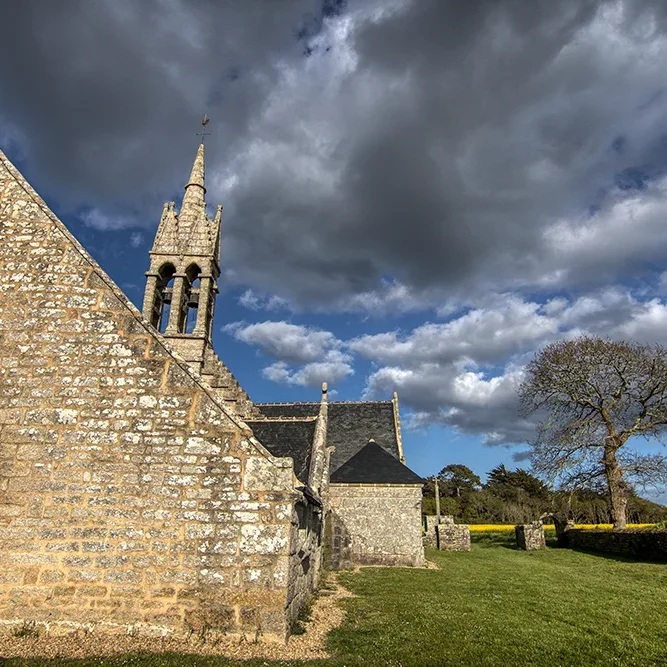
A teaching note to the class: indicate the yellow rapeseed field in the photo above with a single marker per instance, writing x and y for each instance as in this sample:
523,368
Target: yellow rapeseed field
500,527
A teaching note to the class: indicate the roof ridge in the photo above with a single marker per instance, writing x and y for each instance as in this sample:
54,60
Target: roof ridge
361,402
284,419
292,403
330,403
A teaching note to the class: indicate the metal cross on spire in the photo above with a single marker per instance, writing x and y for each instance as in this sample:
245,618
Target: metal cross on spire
205,121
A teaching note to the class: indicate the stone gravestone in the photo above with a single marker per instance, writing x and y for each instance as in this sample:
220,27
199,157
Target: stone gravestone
530,536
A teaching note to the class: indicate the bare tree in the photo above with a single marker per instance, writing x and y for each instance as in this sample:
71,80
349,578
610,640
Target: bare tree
593,396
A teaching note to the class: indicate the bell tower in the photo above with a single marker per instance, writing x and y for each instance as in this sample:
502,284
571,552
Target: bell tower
182,281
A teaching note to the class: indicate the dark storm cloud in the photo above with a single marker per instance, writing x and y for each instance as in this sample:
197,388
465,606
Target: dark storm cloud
452,147
457,147
107,95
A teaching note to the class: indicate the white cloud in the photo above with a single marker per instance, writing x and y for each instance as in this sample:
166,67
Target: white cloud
105,222
291,343
465,373
136,239
306,357
394,298
628,229
309,375
254,301
481,336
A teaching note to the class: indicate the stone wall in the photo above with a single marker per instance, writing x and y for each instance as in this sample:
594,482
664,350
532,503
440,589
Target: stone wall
453,537
129,498
643,545
372,524
430,537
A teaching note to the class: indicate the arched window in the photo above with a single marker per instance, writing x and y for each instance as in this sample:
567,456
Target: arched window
163,295
192,297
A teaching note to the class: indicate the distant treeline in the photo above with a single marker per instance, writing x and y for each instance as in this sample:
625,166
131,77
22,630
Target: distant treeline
517,496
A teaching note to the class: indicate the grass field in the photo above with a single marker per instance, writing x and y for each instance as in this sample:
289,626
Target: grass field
493,606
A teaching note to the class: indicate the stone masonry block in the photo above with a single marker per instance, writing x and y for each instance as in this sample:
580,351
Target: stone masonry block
267,474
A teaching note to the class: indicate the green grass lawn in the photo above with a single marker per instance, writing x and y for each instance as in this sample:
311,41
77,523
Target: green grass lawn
493,606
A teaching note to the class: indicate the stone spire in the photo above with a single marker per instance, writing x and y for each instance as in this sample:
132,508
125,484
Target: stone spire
194,205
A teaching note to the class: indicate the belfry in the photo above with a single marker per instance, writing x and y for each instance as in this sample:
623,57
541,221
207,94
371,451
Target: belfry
182,281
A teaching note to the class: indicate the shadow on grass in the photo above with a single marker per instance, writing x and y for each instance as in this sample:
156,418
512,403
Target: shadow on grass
507,540
619,557
485,540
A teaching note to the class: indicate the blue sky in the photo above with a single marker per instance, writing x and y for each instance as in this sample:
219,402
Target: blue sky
418,194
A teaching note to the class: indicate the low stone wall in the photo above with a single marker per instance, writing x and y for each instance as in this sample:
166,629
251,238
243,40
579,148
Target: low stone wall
453,537
530,536
374,524
643,545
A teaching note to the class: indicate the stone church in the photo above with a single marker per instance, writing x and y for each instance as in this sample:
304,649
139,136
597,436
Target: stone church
141,489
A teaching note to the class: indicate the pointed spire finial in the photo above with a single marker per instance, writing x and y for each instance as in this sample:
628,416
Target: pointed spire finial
197,173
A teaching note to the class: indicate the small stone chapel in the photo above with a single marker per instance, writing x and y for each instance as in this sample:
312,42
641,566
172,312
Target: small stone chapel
141,489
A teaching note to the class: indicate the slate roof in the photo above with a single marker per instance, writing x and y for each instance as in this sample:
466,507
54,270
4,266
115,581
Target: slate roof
274,410
287,438
374,465
350,425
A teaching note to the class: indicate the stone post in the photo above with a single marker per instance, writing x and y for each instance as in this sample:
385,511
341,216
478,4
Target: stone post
149,296
176,311
530,536
205,283
317,478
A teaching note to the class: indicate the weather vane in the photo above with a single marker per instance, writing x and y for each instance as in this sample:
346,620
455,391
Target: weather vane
203,132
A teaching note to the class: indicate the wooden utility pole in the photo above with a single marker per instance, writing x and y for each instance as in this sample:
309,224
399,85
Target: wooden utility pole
437,503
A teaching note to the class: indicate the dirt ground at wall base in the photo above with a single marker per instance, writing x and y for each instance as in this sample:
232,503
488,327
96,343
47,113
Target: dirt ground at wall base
326,614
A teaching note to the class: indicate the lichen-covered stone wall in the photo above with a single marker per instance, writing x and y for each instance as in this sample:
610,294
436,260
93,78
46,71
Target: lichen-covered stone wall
430,537
129,499
453,537
374,525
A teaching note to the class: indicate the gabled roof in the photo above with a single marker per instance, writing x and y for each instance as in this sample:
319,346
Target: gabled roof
288,438
350,425
374,465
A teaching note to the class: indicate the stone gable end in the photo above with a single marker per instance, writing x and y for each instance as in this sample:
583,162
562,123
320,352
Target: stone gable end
129,498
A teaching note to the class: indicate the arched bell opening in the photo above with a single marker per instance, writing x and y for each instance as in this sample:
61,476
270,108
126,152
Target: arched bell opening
193,284
163,296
